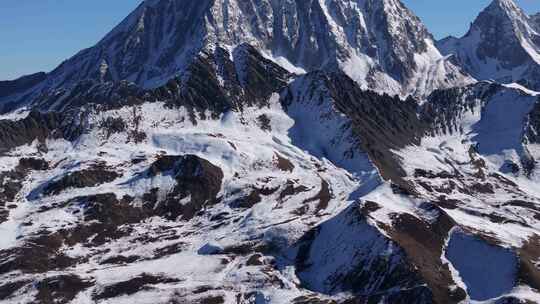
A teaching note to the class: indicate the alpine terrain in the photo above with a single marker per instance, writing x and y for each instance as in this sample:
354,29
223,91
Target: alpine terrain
277,151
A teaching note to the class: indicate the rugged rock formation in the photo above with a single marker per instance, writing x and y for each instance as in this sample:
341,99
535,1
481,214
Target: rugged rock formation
197,180
503,44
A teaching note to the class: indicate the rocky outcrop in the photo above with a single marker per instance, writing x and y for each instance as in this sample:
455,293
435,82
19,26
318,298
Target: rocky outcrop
214,81
91,177
61,289
90,92
37,126
218,81
383,123
12,182
132,286
380,123
197,180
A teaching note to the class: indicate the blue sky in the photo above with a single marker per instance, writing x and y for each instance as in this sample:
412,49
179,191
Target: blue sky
36,35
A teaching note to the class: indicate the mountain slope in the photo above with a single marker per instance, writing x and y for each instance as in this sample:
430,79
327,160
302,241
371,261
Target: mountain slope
263,202
231,176
503,44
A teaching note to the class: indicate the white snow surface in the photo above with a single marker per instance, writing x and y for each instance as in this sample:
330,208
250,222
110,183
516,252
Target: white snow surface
495,128
248,157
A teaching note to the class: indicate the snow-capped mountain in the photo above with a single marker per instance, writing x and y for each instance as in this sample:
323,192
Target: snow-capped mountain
379,43
503,44
230,151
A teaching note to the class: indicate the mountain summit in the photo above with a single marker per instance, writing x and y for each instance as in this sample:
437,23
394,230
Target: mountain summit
379,43
502,44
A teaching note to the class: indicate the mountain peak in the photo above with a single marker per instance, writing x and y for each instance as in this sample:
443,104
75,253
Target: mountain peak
374,41
507,9
506,27
503,44
506,4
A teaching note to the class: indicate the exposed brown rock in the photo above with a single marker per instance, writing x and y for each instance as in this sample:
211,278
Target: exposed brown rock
323,197
284,164
113,125
95,175
195,177
529,270
212,300
255,260
132,286
36,126
248,201
120,259
312,300
37,255
60,289
423,244
291,189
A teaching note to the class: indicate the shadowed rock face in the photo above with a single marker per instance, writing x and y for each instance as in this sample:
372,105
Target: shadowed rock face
36,126
423,243
345,254
381,123
500,36
533,125
410,257
20,85
214,81
61,289
87,92
196,178
132,286
91,177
